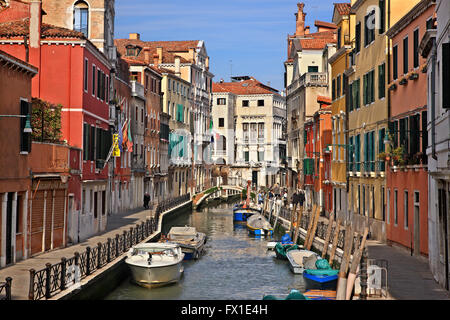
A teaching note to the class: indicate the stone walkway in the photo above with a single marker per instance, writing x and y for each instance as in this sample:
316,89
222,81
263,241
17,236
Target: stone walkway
409,277
20,274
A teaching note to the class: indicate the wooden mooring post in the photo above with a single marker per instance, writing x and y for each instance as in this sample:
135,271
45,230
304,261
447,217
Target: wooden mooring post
342,279
355,263
328,235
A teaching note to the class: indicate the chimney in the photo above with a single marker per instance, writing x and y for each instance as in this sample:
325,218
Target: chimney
155,60
177,66
147,55
160,54
135,36
35,23
307,30
300,20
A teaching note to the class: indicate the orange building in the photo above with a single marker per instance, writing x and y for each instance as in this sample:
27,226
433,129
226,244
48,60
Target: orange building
15,93
317,162
407,177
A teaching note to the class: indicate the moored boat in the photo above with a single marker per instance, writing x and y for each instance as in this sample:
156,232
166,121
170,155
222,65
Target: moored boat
296,259
322,274
281,250
155,264
192,243
258,225
320,294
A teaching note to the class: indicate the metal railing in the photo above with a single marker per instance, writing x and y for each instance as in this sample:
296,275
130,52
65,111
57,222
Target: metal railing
5,289
55,278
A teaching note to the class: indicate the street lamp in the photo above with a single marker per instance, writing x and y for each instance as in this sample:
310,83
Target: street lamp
27,128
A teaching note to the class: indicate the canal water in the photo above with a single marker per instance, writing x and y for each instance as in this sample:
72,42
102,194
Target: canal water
235,265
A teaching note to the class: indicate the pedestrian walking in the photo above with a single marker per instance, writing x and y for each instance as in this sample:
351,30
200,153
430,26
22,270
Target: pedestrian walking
260,198
146,200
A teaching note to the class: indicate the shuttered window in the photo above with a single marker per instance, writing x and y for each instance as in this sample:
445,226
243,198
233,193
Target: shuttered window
405,56
416,48
395,63
358,152
382,81
358,37
445,75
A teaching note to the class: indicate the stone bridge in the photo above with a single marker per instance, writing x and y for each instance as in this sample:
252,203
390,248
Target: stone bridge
221,191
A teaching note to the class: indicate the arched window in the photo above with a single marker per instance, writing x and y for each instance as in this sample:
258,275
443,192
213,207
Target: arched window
81,17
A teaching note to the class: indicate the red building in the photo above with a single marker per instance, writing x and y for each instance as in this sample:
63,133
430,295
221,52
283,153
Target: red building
317,164
406,175
75,74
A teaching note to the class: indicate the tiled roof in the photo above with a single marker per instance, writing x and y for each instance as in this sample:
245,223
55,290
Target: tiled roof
21,28
324,100
246,87
330,25
7,57
316,44
343,8
169,48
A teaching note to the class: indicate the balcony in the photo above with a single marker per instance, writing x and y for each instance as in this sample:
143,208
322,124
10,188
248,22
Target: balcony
137,90
49,158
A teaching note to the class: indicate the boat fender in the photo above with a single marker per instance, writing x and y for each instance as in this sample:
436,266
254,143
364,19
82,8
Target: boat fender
196,255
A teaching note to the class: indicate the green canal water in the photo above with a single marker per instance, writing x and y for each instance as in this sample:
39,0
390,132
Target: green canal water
235,265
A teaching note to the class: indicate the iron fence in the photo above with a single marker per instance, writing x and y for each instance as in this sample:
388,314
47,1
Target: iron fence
55,278
5,289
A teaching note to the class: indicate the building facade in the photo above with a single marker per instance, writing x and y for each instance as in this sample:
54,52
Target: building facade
259,117
15,180
306,77
435,47
368,111
407,177
339,87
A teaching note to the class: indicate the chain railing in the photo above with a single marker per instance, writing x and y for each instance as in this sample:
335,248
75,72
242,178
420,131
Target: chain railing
55,278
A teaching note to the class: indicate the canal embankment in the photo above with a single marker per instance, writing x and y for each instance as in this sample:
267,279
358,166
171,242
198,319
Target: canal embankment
69,272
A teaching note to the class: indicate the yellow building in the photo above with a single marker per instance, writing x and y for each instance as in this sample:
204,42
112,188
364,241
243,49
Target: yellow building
176,103
345,33
368,109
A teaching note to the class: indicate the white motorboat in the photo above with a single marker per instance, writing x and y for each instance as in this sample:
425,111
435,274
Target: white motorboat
296,259
191,242
155,264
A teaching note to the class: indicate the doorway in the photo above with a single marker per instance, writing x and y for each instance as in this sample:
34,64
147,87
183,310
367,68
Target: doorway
255,178
416,223
442,203
9,248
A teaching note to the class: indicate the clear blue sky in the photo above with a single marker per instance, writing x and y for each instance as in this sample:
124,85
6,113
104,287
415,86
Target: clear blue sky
251,33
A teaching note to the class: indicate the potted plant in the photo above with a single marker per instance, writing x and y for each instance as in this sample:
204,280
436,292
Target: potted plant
413,76
383,156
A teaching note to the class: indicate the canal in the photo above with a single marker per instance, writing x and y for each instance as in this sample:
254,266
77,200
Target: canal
235,265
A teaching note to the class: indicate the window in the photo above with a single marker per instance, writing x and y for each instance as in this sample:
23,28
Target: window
382,81
99,83
369,88
416,48
25,137
81,17
395,63
388,219
339,41
260,156
358,37
333,89
383,204
445,75
338,86
86,74
246,156
221,101
395,207
221,122
406,209
93,80
260,103
382,6
313,69
369,28
245,103
405,55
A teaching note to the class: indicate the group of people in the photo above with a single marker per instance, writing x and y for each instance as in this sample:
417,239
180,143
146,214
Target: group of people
281,194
